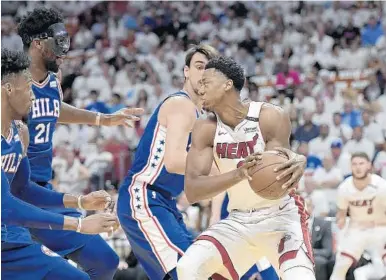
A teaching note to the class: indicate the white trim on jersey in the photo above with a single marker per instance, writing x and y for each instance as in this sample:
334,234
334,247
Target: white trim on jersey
44,83
165,251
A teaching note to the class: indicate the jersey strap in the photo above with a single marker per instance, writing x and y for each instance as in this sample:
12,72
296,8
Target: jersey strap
254,111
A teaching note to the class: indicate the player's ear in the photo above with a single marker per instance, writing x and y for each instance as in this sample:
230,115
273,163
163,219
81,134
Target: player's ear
9,88
228,85
38,44
186,72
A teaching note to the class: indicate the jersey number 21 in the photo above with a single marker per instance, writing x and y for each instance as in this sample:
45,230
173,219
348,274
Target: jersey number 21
42,133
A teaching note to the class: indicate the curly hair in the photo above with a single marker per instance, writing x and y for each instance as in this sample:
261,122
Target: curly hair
37,22
230,68
13,62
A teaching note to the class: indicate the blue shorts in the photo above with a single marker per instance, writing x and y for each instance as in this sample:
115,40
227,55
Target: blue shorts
154,228
70,241
35,262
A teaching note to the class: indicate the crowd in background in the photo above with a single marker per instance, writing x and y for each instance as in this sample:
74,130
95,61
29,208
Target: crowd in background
323,62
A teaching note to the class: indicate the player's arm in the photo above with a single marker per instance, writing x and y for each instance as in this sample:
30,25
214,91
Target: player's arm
275,126
198,184
216,207
71,114
179,116
17,212
23,188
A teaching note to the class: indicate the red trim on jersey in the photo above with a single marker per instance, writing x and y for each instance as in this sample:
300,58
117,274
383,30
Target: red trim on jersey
304,216
287,256
217,276
226,260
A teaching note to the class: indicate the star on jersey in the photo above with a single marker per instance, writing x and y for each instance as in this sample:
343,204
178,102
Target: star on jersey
153,165
136,190
138,207
159,150
138,198
156,157
162,142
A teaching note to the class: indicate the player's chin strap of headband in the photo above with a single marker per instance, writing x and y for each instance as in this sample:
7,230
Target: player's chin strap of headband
57,37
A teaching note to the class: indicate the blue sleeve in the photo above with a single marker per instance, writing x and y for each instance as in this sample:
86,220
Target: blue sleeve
17,212
23,188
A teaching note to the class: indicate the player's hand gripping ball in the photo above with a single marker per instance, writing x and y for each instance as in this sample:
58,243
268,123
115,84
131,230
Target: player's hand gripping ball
124,116
99,200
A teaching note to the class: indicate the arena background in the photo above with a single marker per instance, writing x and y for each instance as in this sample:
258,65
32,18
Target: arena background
323,62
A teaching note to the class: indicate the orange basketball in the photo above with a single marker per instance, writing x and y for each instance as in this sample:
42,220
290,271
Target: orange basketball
264,181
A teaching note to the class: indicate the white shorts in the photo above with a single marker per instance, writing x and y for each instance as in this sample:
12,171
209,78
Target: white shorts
277,232
355,241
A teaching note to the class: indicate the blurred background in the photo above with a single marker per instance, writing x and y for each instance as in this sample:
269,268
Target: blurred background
323,62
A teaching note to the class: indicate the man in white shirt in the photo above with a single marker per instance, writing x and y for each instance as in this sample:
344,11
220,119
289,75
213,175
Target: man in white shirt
372,130
321,116
380,162
339,129
320,146
325,180
341,159
359,144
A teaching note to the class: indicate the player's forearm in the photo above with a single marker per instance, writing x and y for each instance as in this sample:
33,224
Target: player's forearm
204,187
341,218
71,114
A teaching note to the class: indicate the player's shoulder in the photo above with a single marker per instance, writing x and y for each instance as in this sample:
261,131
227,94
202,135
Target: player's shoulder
178,103
204,131
271,113
378,181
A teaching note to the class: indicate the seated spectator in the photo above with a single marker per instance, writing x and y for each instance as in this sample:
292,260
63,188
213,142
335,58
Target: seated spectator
371,32
341,160
380,162
372,131
320,146
339,129
307,131
350,116
116,103
359,144
95,105
320,115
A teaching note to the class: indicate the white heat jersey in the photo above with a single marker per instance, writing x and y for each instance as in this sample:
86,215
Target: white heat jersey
367,205
230,147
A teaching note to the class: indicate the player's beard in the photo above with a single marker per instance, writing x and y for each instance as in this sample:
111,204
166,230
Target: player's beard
51,65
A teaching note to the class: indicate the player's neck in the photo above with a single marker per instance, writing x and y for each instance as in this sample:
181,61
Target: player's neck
362,183
38,71
232,111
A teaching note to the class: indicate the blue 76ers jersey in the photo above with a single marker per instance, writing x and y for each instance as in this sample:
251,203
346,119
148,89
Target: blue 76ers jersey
148,165
42,120
11,156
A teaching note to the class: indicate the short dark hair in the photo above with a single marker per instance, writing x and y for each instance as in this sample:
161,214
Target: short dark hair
13,62
204,49
37,22
230,68
360,155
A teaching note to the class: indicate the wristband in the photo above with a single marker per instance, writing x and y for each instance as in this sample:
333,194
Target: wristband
79,228
98,119
80,202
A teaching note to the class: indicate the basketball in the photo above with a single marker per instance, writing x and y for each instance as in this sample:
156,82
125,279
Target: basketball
264,181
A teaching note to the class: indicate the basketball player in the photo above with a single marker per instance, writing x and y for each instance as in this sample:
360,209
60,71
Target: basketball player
47,42
255,227
21,257
146,205
363,196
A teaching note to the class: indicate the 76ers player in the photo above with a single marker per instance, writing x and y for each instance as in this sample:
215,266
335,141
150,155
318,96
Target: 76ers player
255,227
47,41
147,198
363,196
21,257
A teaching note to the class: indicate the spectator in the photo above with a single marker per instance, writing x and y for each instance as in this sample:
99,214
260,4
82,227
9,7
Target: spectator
372,131
320,145
321,116
307,131
303,103
371,32
116,103
339,129
341,159
359,144
95,105
350,116
380,162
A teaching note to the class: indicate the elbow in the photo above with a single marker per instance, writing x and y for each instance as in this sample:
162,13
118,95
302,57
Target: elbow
172,165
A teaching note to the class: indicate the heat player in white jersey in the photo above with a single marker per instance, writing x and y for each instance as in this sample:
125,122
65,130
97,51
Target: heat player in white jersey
363,197
255,227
